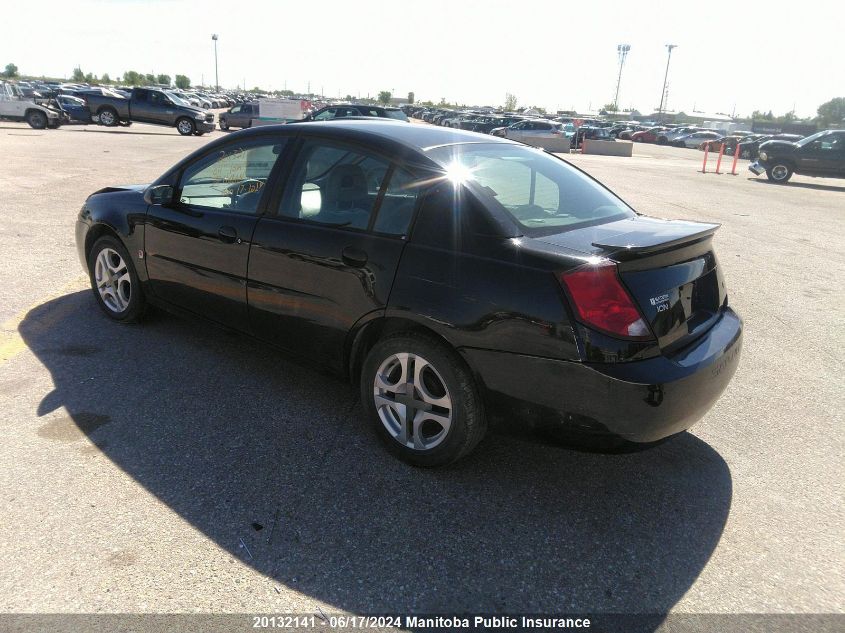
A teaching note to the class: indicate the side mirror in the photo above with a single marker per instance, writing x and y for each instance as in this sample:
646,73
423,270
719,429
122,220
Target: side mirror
161,195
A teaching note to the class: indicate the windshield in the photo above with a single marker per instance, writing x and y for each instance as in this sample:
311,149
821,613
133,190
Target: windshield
810,139
543,194
177,99
396,114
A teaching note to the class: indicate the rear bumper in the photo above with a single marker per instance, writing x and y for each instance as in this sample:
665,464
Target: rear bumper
642,401
756,168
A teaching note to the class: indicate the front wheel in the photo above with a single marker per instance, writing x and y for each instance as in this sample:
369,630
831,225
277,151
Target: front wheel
114,281
37,120
422,400
779,173
224,125
185,126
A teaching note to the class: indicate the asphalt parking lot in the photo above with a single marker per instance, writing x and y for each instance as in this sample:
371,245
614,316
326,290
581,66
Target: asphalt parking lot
171,467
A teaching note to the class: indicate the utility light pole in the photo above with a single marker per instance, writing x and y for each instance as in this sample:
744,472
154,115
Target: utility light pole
622,52
216,78
669,47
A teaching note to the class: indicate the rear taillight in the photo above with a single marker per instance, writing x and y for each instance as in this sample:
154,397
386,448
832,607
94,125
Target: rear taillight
601,301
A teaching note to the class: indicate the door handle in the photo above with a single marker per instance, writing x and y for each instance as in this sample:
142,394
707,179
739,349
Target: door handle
228,234
354,257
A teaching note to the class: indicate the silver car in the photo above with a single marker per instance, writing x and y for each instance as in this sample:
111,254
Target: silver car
534,127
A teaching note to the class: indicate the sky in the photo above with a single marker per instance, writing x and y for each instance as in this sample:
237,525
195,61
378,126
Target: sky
560,55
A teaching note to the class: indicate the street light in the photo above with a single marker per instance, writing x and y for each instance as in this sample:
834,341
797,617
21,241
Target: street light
622,52
216,78
669,47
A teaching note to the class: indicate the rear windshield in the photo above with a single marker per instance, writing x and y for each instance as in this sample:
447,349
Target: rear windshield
542,193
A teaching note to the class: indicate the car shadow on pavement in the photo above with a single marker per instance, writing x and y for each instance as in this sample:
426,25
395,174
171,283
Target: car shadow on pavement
800,185
275,463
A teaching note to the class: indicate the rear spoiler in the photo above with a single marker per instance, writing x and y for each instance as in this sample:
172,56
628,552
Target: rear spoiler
672,234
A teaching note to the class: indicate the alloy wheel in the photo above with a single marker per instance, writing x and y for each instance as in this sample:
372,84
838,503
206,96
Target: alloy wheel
114,283
185,127
779,172
107,117
412,401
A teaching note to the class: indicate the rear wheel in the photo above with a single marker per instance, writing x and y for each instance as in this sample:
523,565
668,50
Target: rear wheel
779,173
108,117
114,281
36,119
185,126
422,400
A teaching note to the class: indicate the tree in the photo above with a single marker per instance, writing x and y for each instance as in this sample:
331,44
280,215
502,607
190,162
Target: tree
610,107
149,78
384,97
286,93
510,102
163,79
131,78
11,71
78,75
411,97
183,82
830,112
90,78
105,78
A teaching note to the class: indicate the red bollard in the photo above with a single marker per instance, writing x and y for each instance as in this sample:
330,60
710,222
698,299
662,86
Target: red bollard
704,164
719,161
737,152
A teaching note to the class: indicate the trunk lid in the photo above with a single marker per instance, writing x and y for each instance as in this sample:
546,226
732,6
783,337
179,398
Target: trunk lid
668,267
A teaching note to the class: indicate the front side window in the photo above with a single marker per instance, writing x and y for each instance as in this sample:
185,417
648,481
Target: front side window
231,178
325,115
543,194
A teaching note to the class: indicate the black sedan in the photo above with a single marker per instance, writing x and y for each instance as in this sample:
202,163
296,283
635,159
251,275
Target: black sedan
454,277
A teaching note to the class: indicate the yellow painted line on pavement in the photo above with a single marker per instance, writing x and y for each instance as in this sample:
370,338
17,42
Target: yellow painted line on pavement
11,342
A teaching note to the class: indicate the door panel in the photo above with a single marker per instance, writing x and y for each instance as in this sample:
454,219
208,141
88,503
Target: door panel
193,266
308,285
319,266
197,249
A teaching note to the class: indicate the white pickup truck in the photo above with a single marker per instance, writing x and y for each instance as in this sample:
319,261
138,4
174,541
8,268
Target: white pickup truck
14,106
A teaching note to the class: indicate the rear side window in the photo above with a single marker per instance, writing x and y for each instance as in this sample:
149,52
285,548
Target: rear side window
398,203
334,185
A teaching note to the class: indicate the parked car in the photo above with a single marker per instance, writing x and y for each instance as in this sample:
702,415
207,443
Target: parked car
75,108
532,128
148,105
410,260
15,107
240,115
714,145
822,154
589,132
668,135
695,139
648,136
751,149
331,112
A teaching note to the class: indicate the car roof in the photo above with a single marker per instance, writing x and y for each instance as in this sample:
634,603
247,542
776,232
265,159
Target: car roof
415,136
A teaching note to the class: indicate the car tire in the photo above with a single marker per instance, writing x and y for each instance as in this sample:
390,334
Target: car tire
185,126
223,124
36,119
453,422
779,173
115,281
111,118
662,140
